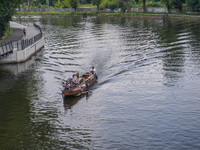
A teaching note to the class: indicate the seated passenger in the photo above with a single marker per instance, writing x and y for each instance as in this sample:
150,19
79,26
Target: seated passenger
75,79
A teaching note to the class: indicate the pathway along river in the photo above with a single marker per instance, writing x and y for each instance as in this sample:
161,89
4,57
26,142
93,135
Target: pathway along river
147,95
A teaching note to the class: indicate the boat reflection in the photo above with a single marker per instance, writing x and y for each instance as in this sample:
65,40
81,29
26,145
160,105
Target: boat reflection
70,101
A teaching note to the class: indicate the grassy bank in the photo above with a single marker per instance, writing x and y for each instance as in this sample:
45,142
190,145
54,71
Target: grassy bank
110,14
7,35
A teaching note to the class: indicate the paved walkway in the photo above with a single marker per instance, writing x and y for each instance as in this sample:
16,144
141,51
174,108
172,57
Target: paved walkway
17,33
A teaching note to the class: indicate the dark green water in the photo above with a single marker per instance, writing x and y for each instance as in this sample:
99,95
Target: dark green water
147,95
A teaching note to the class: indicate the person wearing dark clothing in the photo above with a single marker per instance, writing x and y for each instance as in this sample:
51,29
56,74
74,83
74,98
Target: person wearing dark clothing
24,31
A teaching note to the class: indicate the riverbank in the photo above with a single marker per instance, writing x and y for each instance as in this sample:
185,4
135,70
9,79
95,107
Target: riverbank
17,33
19,47
177,15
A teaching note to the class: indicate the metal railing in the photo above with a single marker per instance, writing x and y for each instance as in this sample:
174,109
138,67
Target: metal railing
7,48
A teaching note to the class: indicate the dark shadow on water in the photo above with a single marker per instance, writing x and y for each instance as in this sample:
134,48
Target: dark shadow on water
70,101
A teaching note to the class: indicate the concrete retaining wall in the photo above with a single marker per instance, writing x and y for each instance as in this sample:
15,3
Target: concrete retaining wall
163,10
150,9
22,55
107,10
83,9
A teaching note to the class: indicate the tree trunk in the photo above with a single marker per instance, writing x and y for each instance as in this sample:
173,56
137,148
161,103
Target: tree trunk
144,6
47,2
19,7
28,4
1,33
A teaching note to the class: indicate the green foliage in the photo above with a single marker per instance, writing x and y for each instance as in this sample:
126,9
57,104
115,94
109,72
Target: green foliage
66,4
174,3
63,4
177,3
8,33
103,3
112,4
167,3
74,4
136,4
97,3
86,5
23,5
154,4
58,4
193,4
7,10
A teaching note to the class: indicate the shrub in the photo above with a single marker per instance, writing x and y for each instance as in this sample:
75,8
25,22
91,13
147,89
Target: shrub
154,4
112,5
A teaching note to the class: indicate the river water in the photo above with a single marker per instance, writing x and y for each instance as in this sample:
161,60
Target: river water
147,95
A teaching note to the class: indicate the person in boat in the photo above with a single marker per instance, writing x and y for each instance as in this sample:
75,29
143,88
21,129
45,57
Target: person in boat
75,80
92,71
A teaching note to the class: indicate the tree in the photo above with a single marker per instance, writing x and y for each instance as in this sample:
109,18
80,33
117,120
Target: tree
47,2
97,2
74,4
193,4
144,5
28,4
178,3
7,10
167,4
63,4
124,4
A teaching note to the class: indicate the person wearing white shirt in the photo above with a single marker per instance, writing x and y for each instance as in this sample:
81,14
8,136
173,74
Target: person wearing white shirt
92,70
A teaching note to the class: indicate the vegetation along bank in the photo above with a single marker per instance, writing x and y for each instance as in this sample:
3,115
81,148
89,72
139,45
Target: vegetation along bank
96,7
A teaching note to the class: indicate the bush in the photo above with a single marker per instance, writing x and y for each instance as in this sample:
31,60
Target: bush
7,33
112,5
104,4
58,4
154,4
63,4
134,4
66,4
23,5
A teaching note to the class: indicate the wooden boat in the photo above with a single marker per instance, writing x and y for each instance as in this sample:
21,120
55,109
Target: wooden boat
85,81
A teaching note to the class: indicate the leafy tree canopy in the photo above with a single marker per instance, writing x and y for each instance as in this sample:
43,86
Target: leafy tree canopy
96,2
193,4
74,4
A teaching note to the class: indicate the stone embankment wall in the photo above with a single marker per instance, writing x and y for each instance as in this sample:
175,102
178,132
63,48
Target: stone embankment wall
149,9
107,10
164,10
83,9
